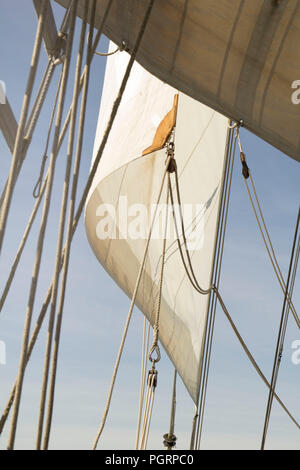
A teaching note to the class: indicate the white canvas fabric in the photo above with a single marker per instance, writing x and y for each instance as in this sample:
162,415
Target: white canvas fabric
241,58
129,183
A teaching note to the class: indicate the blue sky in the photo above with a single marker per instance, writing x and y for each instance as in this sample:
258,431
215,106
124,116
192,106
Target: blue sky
95,308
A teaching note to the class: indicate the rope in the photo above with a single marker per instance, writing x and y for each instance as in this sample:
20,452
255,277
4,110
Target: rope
152,382
22,121
40,100
270,250
31,345
35,112
202,291
265,236
40,243
152,375
170,438
145,344
252,360
61,227
21,247
69,233
194,425
40,189
60,142
74,221
66,20
155,346
37,187
106,54
223,215
32,120
134,295
281,332
115,108
27,139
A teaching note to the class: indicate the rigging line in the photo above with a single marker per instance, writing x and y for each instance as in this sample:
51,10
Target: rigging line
272,257
274,263
34,114
37,187
33,339
21,247
74,221
193,433
212,303
211,317
19,137
67,120
33,118
229,165
152,375
243,344
173,408
217,268
113,114
150,416
191,277
116,105
146,411
155,346
106,54
114,111
281,336
293,280
69,232
170,438
95,44
270,250
60,142
62,223
66,20
41,94
134,295
41,191
170,253
152,378
40,242
143,378
26,141
252,360
54,59
150,413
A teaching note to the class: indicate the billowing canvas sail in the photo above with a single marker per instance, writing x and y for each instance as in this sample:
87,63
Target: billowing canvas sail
239,57
121,200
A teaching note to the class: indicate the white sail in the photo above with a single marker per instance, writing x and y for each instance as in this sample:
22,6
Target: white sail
126,186
238,57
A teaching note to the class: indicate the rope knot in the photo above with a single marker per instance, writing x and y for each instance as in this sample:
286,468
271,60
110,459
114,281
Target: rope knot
154,349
